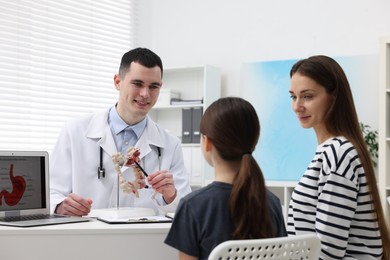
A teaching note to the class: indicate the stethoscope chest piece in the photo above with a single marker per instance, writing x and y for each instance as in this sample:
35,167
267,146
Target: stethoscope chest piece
101,170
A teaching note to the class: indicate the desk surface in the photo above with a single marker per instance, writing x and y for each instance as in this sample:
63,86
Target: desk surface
92,226
88,240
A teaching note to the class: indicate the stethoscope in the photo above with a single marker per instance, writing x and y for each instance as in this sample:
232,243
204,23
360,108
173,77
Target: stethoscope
102,171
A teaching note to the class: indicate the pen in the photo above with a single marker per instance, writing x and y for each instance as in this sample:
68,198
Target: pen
143,171
139,166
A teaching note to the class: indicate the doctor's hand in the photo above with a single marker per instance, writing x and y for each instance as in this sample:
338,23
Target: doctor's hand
74,205
162,182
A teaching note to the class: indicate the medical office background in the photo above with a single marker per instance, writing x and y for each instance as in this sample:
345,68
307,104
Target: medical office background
252,42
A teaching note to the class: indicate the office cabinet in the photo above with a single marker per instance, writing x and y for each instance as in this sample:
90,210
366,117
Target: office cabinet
193,89
384,127
283,190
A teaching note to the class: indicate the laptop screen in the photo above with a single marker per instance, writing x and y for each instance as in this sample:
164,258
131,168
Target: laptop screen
22,181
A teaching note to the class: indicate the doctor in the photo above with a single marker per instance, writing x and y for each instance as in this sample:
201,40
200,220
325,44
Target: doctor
82,171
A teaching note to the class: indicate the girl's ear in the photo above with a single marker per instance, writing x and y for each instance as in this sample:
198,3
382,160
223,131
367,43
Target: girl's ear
208,144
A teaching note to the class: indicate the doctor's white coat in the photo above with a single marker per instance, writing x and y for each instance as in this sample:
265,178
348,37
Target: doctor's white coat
75,159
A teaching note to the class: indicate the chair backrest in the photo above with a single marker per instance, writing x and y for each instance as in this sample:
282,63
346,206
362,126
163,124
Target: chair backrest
300,247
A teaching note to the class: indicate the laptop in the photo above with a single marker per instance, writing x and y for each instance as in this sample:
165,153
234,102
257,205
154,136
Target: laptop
25,191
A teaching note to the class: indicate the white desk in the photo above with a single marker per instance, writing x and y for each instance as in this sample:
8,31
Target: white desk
90,240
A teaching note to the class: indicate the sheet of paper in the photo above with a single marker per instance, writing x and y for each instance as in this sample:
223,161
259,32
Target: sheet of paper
138,220
170,215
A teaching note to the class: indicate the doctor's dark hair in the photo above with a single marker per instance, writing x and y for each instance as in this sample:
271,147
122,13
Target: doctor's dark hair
232,125
143,56
327,73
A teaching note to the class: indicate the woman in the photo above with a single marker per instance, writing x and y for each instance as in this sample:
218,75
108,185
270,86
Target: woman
237,204
337,197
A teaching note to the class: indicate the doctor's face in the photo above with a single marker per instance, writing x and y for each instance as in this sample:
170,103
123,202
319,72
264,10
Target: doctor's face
138,92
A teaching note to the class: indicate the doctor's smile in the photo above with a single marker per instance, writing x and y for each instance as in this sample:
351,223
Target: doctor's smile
142,103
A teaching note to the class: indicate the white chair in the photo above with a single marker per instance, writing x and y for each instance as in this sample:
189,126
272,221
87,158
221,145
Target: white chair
300,247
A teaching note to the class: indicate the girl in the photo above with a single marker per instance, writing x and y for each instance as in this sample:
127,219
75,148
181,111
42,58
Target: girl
237,204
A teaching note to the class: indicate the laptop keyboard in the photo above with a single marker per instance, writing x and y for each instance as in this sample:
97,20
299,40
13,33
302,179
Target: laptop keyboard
29,217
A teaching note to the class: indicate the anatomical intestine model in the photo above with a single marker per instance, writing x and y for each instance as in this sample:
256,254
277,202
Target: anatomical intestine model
128,160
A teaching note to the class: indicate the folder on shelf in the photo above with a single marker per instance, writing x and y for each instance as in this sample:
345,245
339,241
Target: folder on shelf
196,116
186,125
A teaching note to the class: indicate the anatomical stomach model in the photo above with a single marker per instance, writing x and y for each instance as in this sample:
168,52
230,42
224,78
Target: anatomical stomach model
18,187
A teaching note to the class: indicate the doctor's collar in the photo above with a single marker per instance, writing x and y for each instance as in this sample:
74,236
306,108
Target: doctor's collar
118,125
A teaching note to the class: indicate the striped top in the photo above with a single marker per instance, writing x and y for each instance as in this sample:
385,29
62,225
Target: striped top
332,199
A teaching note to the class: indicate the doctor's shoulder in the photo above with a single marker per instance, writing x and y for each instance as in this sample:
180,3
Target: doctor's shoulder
95,120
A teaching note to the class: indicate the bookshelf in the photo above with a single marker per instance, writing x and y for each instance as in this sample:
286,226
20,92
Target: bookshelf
384,127
192,84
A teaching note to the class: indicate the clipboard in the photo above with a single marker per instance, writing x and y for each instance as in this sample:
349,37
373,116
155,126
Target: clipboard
136,220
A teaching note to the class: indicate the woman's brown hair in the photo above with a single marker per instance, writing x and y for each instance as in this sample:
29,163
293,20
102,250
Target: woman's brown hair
342,119
233,126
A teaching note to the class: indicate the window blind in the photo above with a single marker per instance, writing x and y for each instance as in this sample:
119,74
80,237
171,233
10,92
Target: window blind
57,61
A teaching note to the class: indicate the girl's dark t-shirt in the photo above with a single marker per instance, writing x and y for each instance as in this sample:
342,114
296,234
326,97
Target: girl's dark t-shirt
202,220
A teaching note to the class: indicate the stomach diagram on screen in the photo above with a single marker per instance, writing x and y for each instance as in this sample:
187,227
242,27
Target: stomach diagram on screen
18,187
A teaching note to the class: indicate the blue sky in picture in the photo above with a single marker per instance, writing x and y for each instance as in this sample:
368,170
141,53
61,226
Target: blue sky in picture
285,148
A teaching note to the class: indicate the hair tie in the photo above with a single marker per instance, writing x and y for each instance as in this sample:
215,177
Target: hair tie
249,152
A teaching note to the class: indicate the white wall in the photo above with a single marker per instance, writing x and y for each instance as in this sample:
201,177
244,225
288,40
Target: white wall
227,33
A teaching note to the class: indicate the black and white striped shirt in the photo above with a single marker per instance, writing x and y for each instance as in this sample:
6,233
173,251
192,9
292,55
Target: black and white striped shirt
333,200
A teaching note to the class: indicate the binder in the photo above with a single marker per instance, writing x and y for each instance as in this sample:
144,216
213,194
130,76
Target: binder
197,113
186,126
